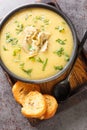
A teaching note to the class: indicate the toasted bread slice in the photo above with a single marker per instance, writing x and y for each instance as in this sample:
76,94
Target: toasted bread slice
34,105
21,89
52,106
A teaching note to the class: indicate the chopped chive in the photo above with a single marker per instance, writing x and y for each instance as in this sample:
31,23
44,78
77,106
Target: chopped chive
22,65
16,51
10,39
63,22
67,57
41,18
16,21
42,27
60,28
62,42
58,67
19,27
32,58
7,35
33,25
46,21
27,16
5,49
28,72
60,51
45,64
38,17
40,60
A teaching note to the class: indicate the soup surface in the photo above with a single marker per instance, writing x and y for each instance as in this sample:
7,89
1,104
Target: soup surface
36,43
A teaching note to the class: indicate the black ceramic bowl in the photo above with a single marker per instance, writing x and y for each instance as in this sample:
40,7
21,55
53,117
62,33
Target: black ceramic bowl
63,72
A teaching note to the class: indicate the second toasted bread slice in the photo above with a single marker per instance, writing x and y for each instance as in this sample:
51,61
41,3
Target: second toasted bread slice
34,106
21,89
52,106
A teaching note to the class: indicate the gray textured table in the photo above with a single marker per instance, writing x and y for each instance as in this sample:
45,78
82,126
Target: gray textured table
72,114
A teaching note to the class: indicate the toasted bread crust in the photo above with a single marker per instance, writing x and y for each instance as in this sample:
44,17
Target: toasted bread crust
21,89
52,106
34,106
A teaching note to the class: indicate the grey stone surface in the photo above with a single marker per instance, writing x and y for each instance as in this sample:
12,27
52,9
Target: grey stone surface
76,10
72,114
10,115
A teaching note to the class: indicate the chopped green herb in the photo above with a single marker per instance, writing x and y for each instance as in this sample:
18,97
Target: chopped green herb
60,51
22,65
60,28
45,64
16,51
19,27
27,71
5,49
63,22
16,21
58,67
62,42
42,27
13,41
10,39
32,58
46,21
27,16
40,60
33,26
38,17
41,18
7,35
67,57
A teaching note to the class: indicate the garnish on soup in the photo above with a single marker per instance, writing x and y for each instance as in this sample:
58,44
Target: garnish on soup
35,41
38,43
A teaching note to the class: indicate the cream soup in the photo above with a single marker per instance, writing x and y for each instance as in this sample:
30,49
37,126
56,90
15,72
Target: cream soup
36,43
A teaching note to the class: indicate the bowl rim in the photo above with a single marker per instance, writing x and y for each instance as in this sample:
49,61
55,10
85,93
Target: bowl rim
75,40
